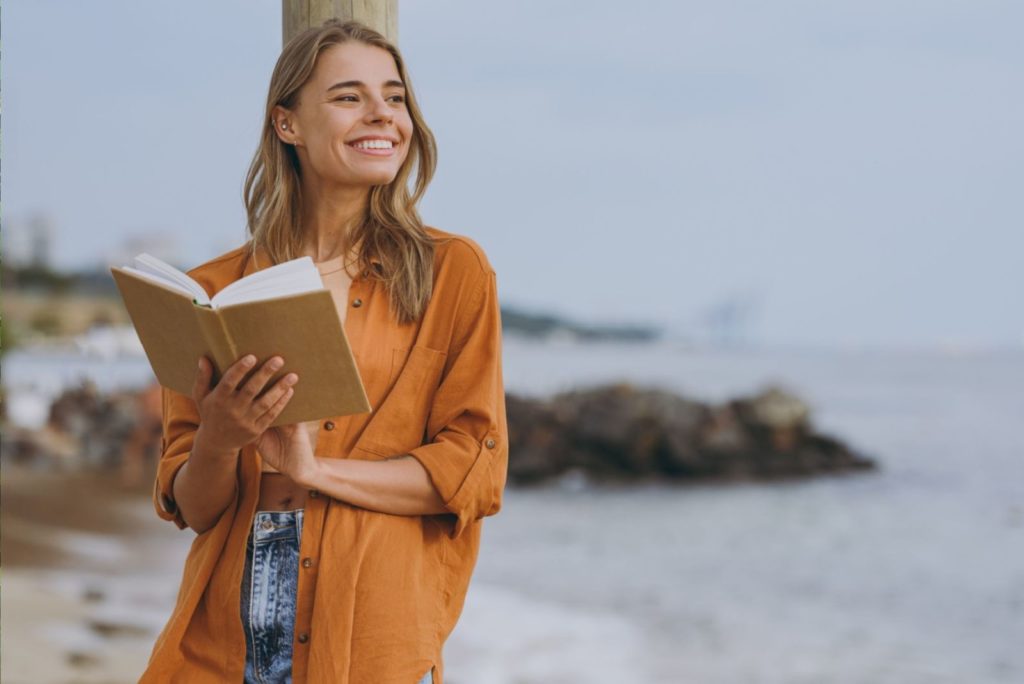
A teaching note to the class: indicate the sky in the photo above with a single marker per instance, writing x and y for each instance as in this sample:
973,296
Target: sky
836,174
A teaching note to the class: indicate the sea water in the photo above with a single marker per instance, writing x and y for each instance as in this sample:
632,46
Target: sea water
911,573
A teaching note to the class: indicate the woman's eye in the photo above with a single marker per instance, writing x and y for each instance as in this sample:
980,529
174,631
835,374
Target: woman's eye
354,98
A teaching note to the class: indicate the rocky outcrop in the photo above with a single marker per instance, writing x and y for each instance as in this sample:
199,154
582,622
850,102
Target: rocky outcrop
621,432
613,433
91,430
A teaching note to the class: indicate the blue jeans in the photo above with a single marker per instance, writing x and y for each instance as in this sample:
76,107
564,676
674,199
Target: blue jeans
269,584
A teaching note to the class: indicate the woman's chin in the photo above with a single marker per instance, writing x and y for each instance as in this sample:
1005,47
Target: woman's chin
364,180
373,179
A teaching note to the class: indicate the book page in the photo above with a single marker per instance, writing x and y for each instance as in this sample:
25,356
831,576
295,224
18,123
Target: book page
282,280
162,273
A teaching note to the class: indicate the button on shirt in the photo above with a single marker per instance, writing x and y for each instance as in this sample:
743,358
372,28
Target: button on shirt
381,592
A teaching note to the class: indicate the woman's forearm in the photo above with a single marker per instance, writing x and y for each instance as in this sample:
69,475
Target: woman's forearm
205,485
398,485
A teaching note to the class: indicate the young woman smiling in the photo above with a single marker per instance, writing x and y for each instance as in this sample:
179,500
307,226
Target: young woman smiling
339,550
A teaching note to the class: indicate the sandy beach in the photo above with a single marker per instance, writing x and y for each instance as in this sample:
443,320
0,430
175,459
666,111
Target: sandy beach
88,574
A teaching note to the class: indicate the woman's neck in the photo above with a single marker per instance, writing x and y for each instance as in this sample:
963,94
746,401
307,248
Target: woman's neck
329,219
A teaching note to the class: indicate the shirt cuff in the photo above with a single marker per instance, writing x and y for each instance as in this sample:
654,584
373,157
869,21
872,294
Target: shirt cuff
464,472
163,494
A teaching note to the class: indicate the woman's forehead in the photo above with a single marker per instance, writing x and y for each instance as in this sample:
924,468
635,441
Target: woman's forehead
354,61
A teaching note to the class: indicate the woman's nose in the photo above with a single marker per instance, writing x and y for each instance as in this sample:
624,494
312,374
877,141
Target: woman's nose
381,111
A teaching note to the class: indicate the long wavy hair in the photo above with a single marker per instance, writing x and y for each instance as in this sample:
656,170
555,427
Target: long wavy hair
391,229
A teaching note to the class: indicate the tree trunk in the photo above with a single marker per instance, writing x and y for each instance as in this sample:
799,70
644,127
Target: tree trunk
299,15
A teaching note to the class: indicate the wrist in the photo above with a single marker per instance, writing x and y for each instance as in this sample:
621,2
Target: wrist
310,475
210,449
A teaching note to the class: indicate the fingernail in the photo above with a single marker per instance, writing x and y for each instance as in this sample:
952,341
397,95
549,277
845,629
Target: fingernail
292,378
249,360
276,362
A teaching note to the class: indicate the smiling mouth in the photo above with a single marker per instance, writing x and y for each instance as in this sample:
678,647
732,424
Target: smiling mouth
371,145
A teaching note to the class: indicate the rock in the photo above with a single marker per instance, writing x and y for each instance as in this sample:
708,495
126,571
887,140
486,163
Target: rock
622,433
93,594
614,431
109,628
540,439
87,430
775,408
82,659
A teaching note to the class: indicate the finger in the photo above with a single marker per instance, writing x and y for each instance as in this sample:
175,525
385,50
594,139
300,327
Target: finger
271,415
234,374
254,385
275,410
201,384
271,396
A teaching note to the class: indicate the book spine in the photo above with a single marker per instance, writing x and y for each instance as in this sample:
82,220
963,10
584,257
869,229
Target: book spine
218,340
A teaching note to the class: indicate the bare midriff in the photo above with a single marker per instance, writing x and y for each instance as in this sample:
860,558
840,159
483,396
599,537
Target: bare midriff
279,493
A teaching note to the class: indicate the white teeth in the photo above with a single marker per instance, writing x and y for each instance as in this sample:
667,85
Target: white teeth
374,145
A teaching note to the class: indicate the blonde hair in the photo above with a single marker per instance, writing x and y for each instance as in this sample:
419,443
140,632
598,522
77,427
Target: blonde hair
391,229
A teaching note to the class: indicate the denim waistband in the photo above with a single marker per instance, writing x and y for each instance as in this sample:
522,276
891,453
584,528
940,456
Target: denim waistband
268,526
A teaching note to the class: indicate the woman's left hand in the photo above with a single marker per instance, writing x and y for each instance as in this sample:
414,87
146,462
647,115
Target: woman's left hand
288,449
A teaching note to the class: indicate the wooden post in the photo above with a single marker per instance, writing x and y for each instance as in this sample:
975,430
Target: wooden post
299,15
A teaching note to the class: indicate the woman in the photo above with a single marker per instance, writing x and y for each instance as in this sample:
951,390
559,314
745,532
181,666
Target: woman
339,551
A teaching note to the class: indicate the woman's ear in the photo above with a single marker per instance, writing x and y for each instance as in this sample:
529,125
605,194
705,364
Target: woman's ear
282,121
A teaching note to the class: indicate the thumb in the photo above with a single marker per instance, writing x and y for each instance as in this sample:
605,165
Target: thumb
201,386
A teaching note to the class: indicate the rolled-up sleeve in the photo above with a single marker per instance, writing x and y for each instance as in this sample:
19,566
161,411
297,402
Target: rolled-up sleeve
467,453
180,422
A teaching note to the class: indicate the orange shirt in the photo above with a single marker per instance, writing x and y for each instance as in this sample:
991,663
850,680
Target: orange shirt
382,592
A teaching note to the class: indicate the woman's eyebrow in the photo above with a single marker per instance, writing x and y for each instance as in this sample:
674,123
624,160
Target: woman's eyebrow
360,84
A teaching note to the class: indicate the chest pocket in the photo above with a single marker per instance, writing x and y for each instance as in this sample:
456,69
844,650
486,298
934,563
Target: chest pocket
398,358
400,420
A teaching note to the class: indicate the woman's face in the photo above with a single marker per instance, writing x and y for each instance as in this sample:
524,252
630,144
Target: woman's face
351,125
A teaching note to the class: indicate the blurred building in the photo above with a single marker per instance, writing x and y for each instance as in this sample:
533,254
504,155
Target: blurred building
728,323
29,242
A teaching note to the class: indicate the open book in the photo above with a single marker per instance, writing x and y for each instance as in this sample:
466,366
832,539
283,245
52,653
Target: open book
281,310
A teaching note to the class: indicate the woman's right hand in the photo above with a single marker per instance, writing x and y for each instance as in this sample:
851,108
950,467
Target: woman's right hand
230,415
